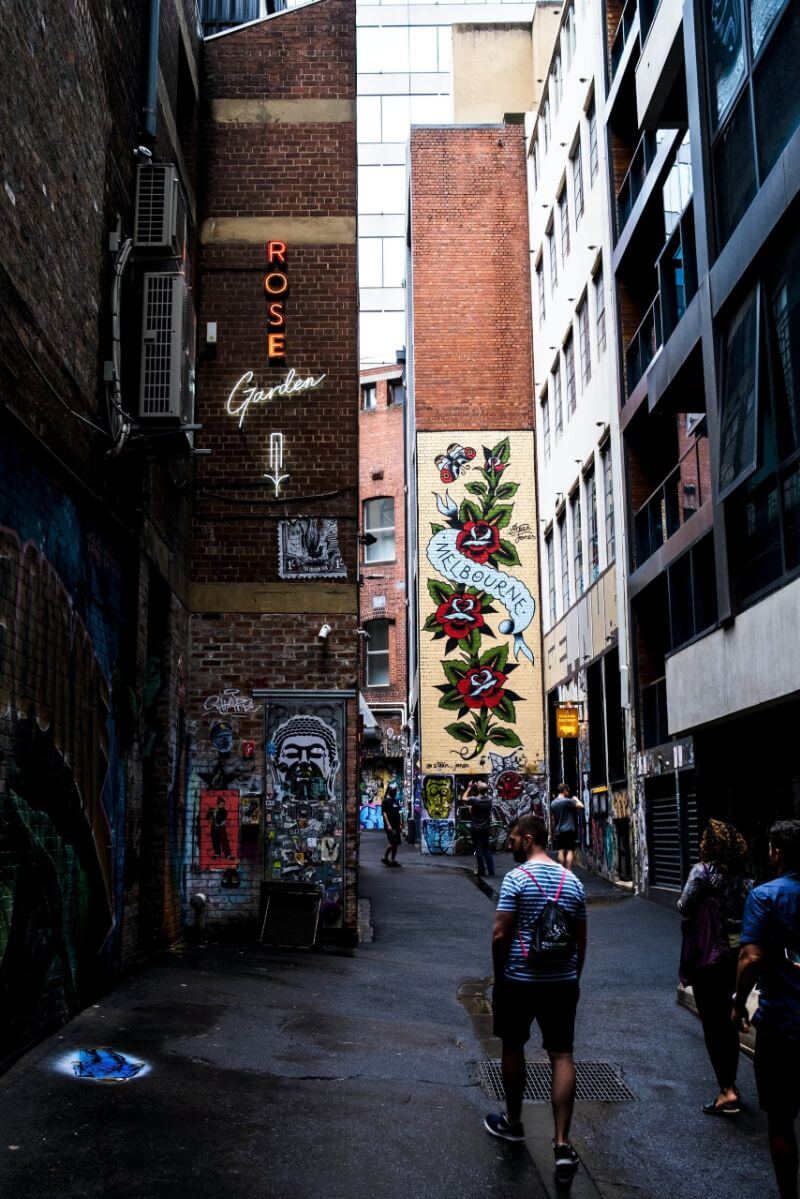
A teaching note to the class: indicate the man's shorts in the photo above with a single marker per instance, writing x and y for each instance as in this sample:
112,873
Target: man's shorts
393,836
516,1005
566,840
777,1069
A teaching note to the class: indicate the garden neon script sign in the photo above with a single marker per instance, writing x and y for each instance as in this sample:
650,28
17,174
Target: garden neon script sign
245,392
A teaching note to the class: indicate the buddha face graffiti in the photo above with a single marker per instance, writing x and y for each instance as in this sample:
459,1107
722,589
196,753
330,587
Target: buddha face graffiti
306,759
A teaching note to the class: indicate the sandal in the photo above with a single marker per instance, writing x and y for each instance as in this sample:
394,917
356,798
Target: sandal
731,1108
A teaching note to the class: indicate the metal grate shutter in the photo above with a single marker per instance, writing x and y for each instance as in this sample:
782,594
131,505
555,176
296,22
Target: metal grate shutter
665,842
157,346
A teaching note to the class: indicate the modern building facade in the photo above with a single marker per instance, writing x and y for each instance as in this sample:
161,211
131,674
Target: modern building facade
581,537
701,122
382,591
475,696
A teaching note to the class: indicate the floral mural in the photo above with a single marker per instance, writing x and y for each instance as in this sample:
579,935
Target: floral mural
479,601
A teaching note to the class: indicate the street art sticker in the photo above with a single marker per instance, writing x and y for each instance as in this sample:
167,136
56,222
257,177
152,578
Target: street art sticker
308,548
219,830
303,797
480,639
437,827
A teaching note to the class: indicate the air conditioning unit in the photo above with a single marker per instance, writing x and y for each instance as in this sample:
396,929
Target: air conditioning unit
166,387
160,221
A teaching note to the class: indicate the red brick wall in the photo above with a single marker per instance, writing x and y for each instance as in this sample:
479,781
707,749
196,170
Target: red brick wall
381,434
471,279
281,169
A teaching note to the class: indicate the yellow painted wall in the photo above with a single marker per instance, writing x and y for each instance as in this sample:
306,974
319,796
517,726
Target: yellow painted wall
466,710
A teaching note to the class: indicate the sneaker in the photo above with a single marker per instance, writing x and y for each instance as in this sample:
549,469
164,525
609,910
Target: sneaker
567,1160
395,863
498,1126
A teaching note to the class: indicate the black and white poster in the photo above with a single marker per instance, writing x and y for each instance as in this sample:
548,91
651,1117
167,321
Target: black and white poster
308,548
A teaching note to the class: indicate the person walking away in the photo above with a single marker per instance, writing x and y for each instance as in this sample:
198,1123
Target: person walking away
392,824
538,951
770,956
480,825
712,904
564,812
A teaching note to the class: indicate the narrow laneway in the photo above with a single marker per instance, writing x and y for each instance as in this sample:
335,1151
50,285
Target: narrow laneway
284,1075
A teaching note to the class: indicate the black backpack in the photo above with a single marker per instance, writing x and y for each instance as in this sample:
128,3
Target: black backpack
553,934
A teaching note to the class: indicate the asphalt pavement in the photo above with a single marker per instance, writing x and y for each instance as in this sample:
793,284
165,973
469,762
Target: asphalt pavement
278,1074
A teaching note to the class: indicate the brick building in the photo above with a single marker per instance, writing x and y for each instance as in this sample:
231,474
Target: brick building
382,593
121,645
272,787
472,545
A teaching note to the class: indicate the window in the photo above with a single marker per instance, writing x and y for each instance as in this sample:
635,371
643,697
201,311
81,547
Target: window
556,83
569,370
583,341
558,412
377,654
577,542
545,123
550,557
540,289
535,162
752,48
600,312
564,551
608,488
591,524
739,394
577,179
369,397
551,250
379,523
569,37
591,117
563,214
397,393
545,402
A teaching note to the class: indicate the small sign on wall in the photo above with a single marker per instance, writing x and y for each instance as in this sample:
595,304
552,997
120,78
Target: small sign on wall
567,722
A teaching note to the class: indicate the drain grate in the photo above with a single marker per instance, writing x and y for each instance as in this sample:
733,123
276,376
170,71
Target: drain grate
597,1082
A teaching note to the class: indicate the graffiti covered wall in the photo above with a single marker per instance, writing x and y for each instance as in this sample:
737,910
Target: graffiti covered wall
480,637
64,715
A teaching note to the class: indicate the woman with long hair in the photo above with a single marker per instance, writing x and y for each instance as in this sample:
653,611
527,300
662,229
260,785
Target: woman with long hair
712,905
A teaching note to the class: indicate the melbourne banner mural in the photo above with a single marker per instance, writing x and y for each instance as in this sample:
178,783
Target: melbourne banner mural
480,667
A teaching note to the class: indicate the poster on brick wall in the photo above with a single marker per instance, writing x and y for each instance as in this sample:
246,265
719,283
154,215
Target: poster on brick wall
219,830
480,635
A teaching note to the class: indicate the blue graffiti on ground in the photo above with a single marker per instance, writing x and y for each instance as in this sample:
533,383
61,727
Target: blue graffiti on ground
105,1065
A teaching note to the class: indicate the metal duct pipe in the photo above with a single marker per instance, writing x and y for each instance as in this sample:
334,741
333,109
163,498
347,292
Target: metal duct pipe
151,79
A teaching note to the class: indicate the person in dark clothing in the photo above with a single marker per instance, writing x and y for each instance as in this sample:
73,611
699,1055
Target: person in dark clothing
712,904
392,824
480,823
770,955
564,814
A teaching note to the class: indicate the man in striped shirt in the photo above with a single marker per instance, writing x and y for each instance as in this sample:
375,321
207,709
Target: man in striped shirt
541,986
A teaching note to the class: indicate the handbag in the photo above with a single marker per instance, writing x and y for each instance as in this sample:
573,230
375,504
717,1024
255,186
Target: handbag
704,939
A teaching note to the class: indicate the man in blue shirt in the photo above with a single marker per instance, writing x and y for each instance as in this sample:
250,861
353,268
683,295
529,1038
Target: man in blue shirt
770,955
537,985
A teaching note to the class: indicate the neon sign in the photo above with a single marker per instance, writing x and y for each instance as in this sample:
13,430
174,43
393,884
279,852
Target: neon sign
276,462
244,394
276,283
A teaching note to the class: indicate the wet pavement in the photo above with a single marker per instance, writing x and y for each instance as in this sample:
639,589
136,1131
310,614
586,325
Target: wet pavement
289,1074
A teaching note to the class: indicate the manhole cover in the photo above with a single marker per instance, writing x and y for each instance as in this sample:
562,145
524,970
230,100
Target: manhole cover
598,1082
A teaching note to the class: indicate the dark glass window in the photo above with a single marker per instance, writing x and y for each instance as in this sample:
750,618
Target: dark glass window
551,250
569,368
551,575
776,91
762,14
608,487
734,170
600,312
376,659
739,397
577,543
563,213
540,290
591,117
546,426
577,179
591,525
558,408
583,341
725,51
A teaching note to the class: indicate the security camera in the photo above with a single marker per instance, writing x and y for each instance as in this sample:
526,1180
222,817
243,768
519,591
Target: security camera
143,152
324,633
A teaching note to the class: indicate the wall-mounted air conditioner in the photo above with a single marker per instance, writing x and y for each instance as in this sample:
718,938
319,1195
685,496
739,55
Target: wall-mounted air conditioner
160,220
166,387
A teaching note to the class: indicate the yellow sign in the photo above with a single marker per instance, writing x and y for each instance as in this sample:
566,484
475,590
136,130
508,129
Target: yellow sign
567,722
480,635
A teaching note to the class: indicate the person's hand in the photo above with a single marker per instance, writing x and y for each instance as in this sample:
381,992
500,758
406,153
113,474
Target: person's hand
740,1016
